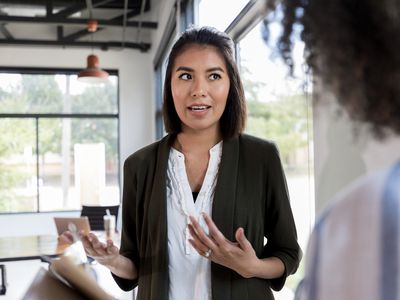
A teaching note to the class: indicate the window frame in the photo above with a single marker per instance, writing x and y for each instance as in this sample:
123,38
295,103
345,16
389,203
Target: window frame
186,11
38,116
248,18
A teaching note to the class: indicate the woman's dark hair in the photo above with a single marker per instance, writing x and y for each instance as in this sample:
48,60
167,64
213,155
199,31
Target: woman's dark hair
233,119
353,47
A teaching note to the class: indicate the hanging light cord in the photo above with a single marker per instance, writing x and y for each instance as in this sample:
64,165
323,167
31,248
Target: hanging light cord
89,7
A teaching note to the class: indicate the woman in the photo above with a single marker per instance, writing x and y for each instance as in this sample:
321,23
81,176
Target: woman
352,48
198,204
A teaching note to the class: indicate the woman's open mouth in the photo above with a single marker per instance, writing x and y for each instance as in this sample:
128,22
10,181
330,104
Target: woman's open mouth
199,108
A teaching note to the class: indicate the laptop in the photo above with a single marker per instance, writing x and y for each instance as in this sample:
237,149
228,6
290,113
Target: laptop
81,223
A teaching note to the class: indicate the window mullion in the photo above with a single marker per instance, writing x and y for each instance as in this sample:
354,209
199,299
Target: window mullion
37,165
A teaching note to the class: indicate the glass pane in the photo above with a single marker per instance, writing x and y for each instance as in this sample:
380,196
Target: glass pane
30,94
39,93
18,188
90,98
210,12
279,109
78,163
160,77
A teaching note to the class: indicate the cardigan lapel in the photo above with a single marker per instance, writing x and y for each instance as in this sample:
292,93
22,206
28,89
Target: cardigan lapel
158,232
223,212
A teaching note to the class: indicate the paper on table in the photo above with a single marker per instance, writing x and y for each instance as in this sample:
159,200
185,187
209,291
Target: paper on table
77,278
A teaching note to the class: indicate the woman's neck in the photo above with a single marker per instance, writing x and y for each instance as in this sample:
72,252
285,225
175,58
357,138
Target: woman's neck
196,142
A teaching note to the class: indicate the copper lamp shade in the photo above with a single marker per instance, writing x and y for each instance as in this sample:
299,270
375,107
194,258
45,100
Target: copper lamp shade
92,73
92,25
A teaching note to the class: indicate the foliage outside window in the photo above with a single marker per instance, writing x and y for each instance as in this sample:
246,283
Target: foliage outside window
58,142
279,109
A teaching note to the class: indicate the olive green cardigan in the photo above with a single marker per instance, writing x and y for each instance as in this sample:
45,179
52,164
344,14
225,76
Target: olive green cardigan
251,192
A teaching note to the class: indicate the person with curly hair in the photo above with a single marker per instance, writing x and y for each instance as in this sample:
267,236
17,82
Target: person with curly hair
351,48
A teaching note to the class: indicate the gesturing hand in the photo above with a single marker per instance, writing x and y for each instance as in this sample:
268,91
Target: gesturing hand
104,253
238,256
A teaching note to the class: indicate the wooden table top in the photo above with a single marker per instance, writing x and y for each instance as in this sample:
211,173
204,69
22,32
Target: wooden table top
30,247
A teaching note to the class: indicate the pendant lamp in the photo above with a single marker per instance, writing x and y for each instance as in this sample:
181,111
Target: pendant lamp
93,73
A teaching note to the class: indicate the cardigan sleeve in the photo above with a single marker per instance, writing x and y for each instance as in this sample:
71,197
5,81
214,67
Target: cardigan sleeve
279,226
129,245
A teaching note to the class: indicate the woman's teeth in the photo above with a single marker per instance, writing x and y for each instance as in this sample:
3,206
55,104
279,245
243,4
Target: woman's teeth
199,107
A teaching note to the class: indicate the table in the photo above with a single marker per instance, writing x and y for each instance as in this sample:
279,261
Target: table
17,248
30,247
22,258
20,275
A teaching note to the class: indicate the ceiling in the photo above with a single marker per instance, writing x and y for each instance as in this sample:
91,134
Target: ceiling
63,23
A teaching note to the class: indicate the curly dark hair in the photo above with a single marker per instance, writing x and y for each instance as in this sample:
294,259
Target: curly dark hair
353,47
233,119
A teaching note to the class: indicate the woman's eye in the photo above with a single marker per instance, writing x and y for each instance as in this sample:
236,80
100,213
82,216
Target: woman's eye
215,76
185,76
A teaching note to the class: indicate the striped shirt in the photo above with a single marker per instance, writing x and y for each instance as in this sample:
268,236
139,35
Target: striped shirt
354,250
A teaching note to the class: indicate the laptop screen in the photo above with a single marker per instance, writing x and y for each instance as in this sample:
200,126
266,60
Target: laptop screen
81,223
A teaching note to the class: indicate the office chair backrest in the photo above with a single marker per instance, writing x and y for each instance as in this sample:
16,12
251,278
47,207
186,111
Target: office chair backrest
96,213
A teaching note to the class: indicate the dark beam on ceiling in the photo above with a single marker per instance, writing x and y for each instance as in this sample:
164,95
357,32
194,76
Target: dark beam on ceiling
49,8
60,33
143,47
64,21
129,15
7,34
70,10
76,35
108,4
90,5
66,12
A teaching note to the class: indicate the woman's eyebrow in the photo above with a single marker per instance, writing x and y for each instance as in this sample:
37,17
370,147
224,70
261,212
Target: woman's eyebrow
215,69
187,69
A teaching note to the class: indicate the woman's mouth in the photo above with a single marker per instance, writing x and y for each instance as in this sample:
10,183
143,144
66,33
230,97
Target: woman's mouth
199,107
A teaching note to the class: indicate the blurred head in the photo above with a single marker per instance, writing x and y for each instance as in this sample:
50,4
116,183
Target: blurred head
352,46
206,39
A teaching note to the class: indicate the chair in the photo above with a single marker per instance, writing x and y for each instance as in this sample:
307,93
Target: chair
3,287
96,213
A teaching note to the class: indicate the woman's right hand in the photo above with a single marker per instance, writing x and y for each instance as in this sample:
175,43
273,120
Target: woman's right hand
104,253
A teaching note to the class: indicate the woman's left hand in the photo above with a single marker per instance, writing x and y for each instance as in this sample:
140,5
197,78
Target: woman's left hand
239,256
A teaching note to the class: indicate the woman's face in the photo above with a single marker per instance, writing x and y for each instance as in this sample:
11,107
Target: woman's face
200,86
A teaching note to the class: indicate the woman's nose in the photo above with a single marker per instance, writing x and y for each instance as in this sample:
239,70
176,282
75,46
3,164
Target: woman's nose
198,89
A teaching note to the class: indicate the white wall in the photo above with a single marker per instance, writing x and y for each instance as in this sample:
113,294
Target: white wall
136,108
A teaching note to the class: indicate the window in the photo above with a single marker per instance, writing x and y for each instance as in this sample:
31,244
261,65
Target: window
279,107
209,12
58,141
160,76
178,21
